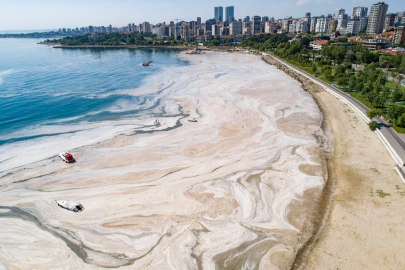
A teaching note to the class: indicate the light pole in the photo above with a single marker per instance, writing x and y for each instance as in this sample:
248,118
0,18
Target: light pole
389,102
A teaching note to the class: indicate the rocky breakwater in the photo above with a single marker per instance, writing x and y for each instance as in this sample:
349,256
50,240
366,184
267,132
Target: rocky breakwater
307,85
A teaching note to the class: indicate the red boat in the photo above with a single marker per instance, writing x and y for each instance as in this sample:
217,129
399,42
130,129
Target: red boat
66,157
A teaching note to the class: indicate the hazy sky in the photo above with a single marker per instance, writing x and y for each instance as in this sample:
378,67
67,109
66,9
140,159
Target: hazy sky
50,14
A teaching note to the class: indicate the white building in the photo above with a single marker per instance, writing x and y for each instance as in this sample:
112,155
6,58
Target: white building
270,27
322,24
301,26
235,28
353,27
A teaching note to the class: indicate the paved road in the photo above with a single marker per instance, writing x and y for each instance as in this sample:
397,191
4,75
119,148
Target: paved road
390,135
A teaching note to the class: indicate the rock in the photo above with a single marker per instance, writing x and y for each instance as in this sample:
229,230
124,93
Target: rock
147,63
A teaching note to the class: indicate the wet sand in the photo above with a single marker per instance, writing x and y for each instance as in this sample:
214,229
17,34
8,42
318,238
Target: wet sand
234,190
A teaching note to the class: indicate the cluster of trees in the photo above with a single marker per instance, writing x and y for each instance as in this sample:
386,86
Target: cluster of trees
335,61
118,39
32,35
264,41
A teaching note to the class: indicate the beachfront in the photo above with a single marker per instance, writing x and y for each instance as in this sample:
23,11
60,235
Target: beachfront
234,189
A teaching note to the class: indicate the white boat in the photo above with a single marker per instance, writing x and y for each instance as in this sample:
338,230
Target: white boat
70,205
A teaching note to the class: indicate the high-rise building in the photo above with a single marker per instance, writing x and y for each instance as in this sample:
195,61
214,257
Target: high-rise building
332,26
265,18
219,14
208,25
399,35
359,12
322,24
91,29
301,26
235,28
246,19
216,28
398,20
198,21
255,25
193,28
270,27
389,19
184,31
285,24
376,19
312,27
342,20
229,14
146,27
338,12
353,27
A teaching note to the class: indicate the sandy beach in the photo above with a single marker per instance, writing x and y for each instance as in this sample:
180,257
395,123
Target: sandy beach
364,229
235,190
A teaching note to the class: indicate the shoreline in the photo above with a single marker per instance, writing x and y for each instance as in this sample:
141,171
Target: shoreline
58,46
321,212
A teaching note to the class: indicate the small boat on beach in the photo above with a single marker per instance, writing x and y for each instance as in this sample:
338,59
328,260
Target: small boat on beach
192,120
67,157
70,205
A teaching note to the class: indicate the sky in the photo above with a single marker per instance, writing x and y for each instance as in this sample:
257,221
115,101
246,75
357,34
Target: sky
55,14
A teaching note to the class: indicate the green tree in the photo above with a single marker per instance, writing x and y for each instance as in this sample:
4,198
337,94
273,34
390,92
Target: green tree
352,83
373,125
396,95
314,68
215,42
401,120
373,113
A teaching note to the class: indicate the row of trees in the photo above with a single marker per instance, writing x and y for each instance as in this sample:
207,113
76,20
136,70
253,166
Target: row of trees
118,39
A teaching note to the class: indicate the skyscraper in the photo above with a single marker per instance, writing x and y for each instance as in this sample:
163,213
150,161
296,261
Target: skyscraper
376,19
229,14
219,14
198,21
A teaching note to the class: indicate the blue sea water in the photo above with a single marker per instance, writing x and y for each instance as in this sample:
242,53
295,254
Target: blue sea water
43,87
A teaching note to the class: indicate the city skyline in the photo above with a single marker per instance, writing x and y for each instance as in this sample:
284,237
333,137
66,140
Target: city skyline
46,14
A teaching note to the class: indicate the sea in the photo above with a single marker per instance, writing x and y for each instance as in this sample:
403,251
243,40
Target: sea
53,100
